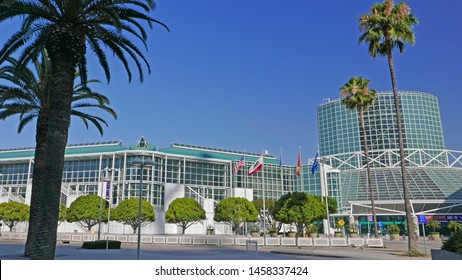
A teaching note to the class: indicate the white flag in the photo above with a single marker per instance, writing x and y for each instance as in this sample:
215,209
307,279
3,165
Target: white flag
256,166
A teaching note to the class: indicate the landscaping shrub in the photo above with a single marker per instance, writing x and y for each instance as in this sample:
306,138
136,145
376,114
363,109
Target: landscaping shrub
101,244
453,243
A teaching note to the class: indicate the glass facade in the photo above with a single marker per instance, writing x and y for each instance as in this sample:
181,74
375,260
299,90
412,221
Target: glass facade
433,173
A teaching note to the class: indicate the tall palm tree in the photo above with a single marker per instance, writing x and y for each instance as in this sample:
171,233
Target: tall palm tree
386,28
28,97
65,28
356,95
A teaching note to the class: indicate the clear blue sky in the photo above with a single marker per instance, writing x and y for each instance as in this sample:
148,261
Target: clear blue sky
249,75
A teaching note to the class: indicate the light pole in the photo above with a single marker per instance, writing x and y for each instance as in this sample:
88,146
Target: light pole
137,162
101,205
324,188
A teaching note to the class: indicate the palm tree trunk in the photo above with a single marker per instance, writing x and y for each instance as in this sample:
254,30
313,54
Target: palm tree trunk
369,177
412,244
44,242
39,163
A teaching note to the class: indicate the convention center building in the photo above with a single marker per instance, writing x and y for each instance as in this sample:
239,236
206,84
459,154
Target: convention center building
208,174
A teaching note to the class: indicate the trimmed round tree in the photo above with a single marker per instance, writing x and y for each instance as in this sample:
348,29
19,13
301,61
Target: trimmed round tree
127,213
235,210
299,208
13,213
85,211
185,212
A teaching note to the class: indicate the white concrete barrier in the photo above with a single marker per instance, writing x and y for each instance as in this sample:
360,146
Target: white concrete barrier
158,240
288,241
339,242
88,237
122,238
199,240
146,239
321,242
376,242
358,242
273,241
6,235
171,240
227,241
240,241
304,242
213,241
76,238
185,240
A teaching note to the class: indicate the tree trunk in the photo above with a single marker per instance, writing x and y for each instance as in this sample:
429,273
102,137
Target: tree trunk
63,71
39,163
369,177
412,244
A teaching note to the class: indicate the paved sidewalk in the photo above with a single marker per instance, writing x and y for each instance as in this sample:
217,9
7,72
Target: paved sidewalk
10,250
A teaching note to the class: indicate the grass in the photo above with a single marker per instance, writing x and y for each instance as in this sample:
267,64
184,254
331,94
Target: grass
413,253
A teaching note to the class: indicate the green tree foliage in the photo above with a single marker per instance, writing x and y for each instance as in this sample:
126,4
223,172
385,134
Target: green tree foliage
388,27
356,95
453,243
185,212
333,204
299,208
13,213
235,210
85,210
62,213
127,213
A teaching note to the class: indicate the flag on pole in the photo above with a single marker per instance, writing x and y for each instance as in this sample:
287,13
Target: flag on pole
280,165
240,164
108,190
315,164
297,171
256,166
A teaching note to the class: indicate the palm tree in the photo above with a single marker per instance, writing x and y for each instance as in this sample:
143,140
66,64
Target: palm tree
385,28
356,95
455,226
65,28
28,97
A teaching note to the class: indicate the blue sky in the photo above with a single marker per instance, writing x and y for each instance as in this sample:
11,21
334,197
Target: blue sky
249,75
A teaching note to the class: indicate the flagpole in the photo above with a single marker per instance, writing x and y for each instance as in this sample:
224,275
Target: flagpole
280,173
264,203
301,170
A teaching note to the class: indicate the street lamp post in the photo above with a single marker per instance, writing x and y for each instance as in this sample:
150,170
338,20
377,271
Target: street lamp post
101,206
137,162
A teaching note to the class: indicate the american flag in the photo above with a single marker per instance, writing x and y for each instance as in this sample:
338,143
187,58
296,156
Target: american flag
240,164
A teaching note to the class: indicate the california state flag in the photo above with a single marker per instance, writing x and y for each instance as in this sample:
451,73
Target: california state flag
256,166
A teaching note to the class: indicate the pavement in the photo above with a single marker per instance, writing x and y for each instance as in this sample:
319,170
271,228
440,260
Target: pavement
394,250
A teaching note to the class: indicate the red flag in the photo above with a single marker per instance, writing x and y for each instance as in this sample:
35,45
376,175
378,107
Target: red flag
297,171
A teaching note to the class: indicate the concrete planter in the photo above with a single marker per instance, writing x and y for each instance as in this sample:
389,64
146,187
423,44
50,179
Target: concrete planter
338,234
255,234
354,235
313,234
434,236
394,236
291,234
438,254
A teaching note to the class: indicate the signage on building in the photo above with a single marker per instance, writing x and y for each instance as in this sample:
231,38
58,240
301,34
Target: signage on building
423,219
